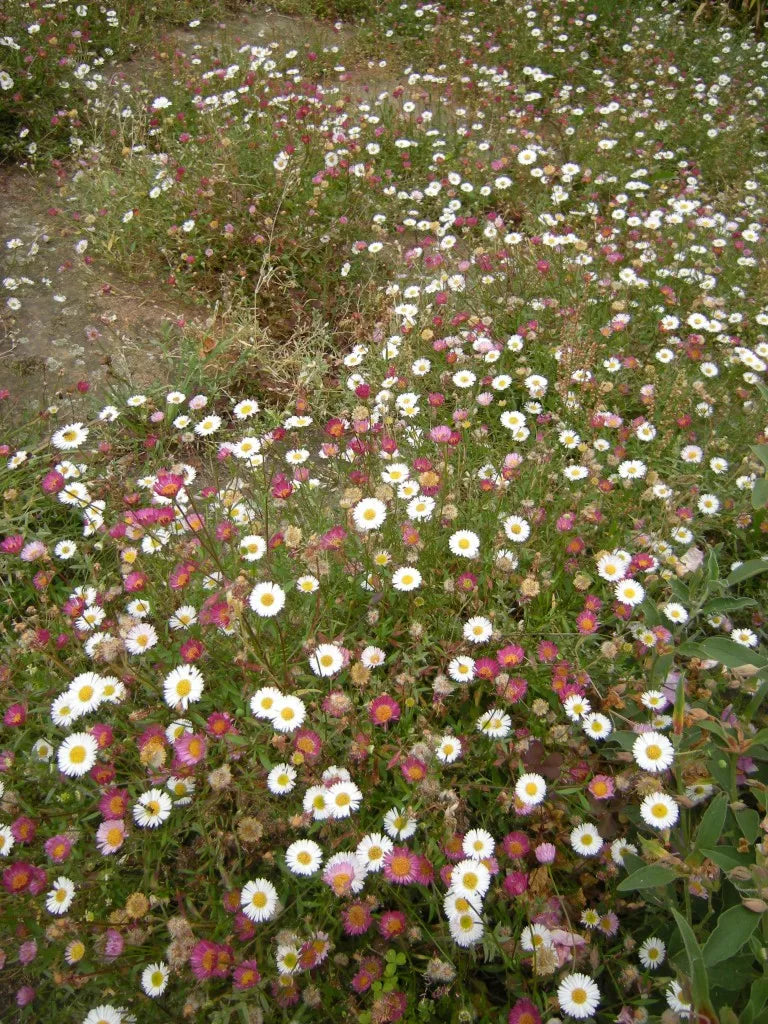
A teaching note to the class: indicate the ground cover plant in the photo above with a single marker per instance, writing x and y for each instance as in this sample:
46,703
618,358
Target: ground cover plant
401,655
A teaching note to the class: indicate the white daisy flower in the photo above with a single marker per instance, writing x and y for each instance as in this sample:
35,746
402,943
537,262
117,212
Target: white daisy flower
372,849
258,899
659,811
578,996
152,809
154,979
183,686
478,844
652,953
326,660
59,899
369,514
464,543
267,599
530,789
586,840
304,857
653,752
77,754
448,749
281,779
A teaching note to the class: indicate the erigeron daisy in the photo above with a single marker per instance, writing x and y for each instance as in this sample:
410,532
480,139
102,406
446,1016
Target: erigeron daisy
654,700
154,979
619,849
478,844
70,437
576,707
530,789
516,528
183,686
494,723
470,878
304,857
478,629
61,895
698,792
373,657
63,710
612,568
536,936
464,543
659,811
7,840
462,669
258,899
652,953
455,903
629,592
675,612
677,1001
372,849
181,790
369,514
140,638
420,508
178,729
578,996
208,426
107,1014
448,749
252,547
744,637
406,579
288,714
42,750
466,929
183,617
653,752
152,809
65,549
316,803
85,692
596,725
307,584
586,840
399,824
77,754
344,798
326,660
281,779
267,599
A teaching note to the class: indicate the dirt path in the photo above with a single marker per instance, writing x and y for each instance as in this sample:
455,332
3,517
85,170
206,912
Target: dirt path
66,316
76,318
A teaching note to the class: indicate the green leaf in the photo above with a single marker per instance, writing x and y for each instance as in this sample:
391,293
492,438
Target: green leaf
758,995
650,612
698,969
720,771
761,451
727,604
711,824
660,668
759,493
749,823
733,930
727,652
726,857
649,877
760,694
747,569
711,566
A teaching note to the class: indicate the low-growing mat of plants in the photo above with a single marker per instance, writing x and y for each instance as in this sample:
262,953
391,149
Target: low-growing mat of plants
397,650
